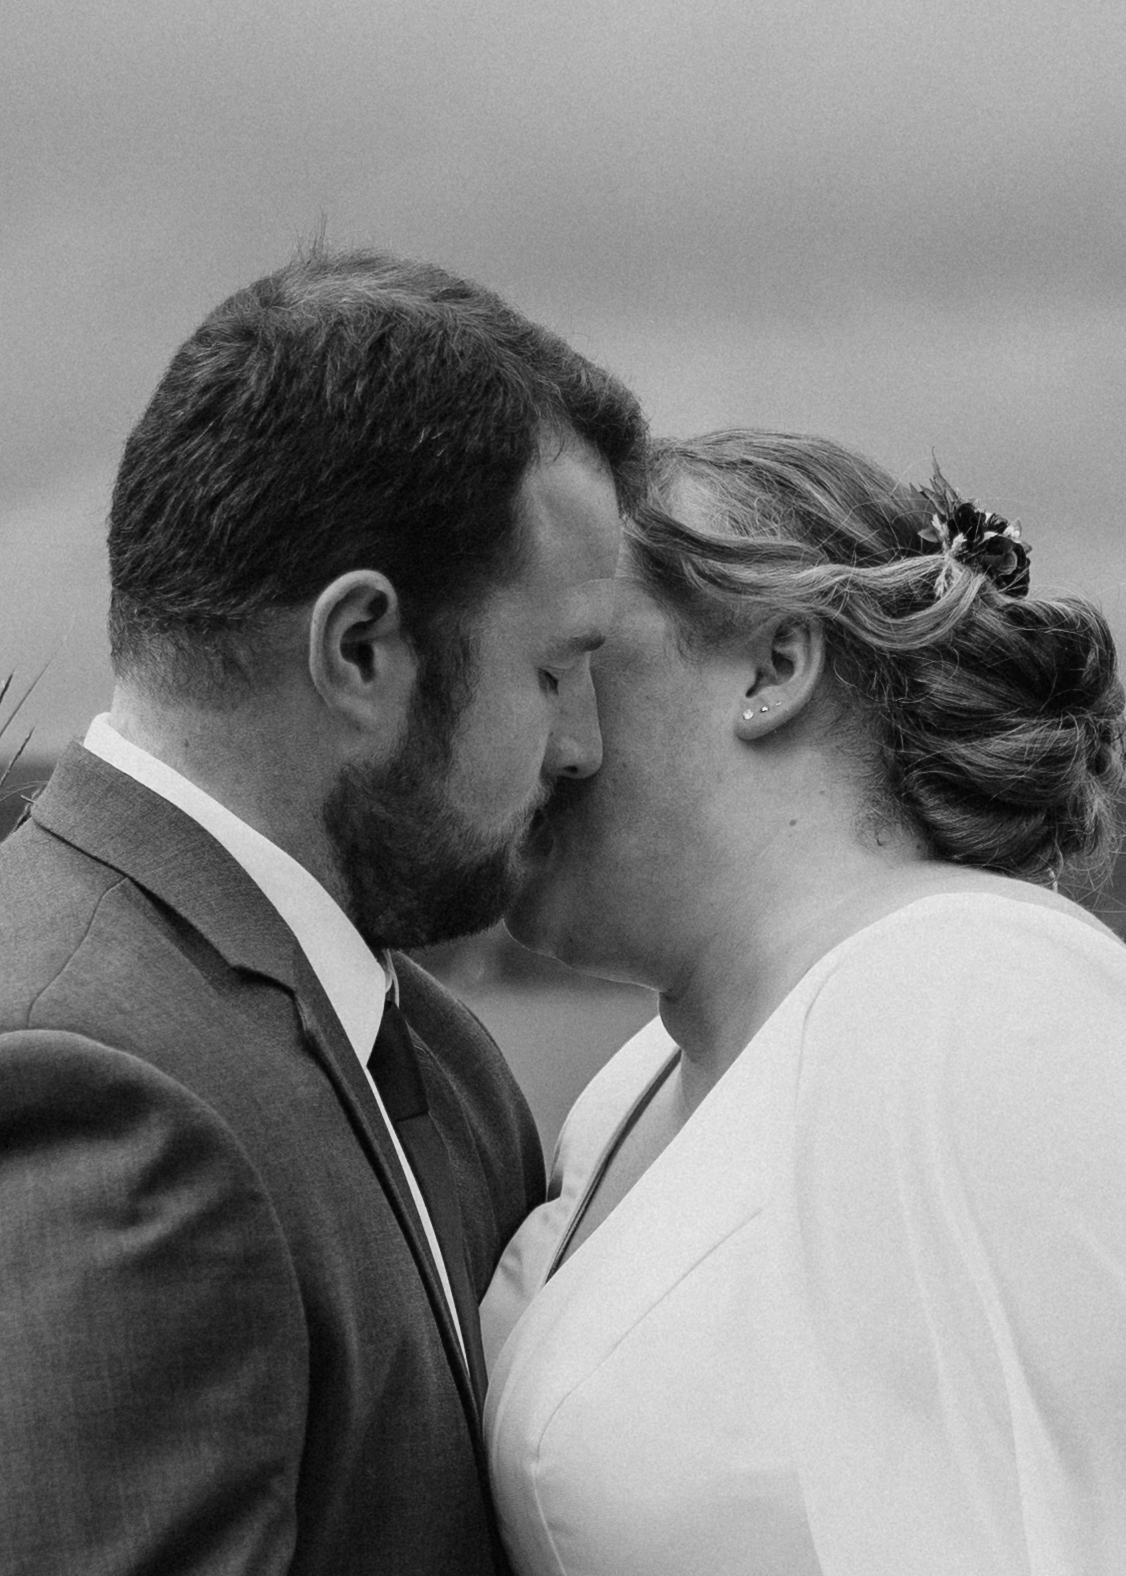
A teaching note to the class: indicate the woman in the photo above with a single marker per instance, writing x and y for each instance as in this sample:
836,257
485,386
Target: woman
833,1275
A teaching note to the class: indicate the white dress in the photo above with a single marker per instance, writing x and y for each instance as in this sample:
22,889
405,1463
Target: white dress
866,1314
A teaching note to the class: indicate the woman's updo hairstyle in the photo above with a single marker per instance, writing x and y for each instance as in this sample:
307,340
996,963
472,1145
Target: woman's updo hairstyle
999,718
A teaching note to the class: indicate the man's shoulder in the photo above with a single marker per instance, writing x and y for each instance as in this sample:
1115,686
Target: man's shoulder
85,949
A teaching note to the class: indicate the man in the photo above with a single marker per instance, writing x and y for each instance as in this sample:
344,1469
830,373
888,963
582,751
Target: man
360,545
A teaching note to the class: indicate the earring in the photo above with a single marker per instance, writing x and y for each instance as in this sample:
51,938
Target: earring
749,714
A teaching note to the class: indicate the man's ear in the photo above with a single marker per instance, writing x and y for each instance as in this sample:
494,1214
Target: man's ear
360,660
787,662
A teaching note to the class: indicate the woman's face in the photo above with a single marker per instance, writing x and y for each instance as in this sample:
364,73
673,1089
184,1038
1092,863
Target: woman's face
615,872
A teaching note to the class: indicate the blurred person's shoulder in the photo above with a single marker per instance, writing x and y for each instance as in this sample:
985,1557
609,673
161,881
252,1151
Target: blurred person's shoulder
50,892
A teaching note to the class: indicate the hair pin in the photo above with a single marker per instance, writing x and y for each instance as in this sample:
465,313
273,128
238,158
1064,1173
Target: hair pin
974,538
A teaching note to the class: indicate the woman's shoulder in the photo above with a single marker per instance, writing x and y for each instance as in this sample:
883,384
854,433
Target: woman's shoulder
985,986
961,1062
939,919
972,922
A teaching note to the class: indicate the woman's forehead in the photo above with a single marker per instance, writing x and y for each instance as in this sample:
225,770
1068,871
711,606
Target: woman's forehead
640,628
690,500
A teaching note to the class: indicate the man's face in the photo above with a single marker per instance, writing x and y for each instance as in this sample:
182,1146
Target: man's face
431,847
613,870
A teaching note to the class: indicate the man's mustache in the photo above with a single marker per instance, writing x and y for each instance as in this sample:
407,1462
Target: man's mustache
564,795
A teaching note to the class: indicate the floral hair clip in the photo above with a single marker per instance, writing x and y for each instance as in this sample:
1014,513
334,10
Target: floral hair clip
972,537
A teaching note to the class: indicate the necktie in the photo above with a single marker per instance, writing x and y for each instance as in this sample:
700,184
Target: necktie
393,1065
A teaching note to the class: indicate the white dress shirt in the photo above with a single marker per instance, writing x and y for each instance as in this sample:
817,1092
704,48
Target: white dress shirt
353,979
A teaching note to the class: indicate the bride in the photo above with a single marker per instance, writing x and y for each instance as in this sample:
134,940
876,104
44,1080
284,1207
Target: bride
832,1278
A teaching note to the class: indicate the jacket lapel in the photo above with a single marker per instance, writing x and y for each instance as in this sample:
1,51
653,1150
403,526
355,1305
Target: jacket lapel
328,1043
116,820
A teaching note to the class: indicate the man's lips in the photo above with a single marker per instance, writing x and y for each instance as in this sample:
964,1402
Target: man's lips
540,836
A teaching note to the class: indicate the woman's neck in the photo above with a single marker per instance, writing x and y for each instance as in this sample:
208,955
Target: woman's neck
771,932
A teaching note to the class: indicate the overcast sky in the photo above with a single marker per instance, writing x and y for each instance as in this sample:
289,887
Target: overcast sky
899,223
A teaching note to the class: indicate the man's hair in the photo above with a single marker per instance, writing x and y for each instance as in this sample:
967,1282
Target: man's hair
352,410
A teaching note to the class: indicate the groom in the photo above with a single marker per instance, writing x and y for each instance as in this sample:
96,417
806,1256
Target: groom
256,1168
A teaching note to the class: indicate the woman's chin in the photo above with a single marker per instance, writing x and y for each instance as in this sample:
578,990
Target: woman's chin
549,907
528,920
557,896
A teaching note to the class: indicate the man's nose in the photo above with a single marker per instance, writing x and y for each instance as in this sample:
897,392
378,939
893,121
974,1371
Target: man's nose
575,746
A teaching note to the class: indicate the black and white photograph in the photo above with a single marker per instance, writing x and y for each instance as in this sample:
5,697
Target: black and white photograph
562,777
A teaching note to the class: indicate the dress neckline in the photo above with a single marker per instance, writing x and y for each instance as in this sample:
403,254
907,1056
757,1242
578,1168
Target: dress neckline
821,966
629,1120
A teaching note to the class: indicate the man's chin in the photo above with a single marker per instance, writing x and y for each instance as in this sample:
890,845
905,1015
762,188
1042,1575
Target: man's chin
414,869
432,901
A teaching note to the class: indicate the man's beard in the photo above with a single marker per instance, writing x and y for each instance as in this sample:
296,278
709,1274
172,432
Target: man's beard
414,870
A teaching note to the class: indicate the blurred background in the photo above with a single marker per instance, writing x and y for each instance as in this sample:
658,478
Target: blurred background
900,223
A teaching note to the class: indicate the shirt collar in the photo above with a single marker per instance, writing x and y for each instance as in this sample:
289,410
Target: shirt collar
353,979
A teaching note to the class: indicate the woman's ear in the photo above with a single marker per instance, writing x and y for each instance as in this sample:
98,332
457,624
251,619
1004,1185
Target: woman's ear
360,660
788,659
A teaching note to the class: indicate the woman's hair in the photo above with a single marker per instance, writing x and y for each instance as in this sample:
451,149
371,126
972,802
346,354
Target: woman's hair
998,718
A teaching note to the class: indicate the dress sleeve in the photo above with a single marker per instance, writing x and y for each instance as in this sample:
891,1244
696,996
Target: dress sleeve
155,1357
960,1249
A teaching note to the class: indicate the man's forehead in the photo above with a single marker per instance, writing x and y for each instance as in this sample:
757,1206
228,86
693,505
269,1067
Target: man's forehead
577,614
569,515
595,608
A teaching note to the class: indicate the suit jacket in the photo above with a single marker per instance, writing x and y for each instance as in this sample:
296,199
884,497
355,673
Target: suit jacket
224,1345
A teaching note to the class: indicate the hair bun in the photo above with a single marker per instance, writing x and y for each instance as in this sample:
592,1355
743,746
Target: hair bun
1008,736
